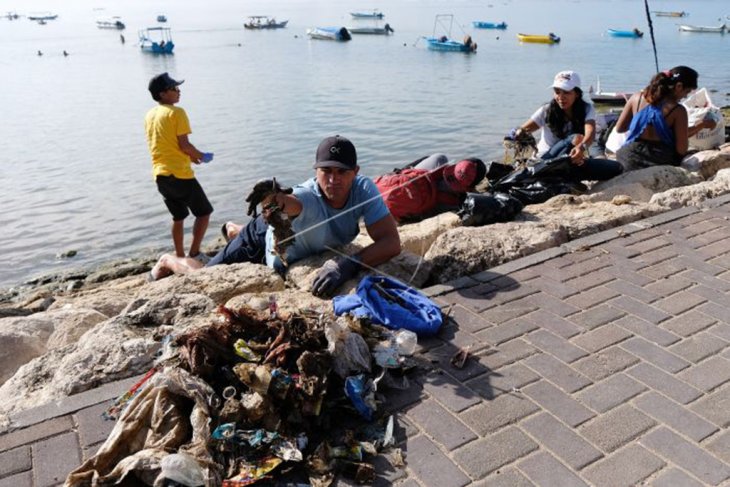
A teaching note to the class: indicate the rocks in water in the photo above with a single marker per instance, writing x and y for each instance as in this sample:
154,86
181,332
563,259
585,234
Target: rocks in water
67,254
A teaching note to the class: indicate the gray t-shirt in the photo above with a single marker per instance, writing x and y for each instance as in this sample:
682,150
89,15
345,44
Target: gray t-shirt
547,137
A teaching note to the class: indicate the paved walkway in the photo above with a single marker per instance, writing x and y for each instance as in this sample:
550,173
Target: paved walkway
603,362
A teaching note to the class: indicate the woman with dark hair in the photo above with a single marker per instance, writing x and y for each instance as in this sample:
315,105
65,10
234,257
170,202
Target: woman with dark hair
568,126
657,125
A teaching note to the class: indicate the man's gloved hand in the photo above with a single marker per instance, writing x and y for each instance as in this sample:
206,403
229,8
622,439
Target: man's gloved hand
262,189
207,157
333,274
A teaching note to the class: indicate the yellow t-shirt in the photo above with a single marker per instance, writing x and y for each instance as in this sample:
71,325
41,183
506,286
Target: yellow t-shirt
163,124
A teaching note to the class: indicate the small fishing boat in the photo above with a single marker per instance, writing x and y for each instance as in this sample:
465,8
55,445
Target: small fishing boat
156,40
539,39
111,23
660,13
329,33
703,28
635,33
479,24
161,18
444,42
378,31
38,16
261,22
375,14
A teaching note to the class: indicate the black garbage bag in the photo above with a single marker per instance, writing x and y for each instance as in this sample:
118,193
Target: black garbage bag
485,208
541,181
541,191
497,170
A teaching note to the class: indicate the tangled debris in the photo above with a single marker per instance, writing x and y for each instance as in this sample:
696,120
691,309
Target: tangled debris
273,214
258,396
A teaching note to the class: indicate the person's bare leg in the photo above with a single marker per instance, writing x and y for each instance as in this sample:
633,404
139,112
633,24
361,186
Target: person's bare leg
170,264
178,235
199,228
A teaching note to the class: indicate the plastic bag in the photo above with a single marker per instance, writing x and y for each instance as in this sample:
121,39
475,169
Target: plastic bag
183,469
482,209
700,107
349,351
615,140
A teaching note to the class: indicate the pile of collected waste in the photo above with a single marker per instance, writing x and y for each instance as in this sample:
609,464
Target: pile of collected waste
258,397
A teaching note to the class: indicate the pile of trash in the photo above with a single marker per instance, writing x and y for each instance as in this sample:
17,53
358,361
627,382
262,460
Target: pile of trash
259,397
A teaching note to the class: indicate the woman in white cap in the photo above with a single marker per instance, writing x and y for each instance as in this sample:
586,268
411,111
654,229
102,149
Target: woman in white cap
568,126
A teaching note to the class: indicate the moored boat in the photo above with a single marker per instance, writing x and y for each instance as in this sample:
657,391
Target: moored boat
161,18
12,16
661,13
156,40
375,14
607,97
329,33
261,22
38,16
381,31
635,33
479,24
110,23
539,39
443,42
703,28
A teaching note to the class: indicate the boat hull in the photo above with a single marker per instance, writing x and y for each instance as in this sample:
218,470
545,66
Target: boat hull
339,34
489,25
359,15
538,39
276,25
436,44
378,31
670,14
155,48
702,28
624,33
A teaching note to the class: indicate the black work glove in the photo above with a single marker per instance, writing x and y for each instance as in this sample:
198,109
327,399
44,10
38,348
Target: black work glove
262,189
333,274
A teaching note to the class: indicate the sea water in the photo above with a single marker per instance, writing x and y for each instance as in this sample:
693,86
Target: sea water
75,169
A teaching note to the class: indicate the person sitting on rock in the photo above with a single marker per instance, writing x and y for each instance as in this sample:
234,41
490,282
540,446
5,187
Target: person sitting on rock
325,212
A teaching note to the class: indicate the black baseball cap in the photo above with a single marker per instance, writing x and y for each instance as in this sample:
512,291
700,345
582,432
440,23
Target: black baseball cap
162,82
336,151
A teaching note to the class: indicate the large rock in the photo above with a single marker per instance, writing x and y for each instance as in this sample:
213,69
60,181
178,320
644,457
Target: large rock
642,183
418,237
287,301
27,337
695,194
707,163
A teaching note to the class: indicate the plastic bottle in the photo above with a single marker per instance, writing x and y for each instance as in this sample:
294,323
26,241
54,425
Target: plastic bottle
407,342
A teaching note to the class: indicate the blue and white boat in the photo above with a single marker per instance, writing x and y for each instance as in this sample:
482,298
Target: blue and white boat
329,33
156,40
479,24
635,33
375,14
444,42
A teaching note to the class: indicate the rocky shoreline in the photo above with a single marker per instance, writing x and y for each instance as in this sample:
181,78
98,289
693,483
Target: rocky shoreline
67,333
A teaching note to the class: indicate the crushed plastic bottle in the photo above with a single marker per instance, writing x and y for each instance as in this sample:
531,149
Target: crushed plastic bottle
407,342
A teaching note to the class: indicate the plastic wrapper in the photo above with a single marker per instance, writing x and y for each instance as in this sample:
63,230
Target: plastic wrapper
349,351
361,395
182,468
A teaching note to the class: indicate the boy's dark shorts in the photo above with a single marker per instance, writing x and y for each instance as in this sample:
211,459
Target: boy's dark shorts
181,194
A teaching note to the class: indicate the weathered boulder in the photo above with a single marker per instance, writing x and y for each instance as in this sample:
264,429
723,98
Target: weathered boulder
418,237
695,194
707,163
108,299
27,337
286,301
636,183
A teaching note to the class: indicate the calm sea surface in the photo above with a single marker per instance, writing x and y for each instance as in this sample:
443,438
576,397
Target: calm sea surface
75,172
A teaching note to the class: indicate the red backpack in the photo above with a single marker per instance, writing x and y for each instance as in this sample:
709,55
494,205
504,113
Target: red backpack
409,193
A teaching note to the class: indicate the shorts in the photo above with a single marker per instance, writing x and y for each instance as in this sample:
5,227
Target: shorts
644,153
181,194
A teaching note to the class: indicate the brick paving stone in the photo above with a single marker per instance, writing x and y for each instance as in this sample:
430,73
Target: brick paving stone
715,311
508,477
55,458
720,446
450,392
686,455
625,273
555,324
468,320
662,270
715,407
703,293
553,287
617,247
92,428
698,347
666,287
15,460
610,393
592,297
557,372
508,312
546,470
557,402
658,256
396,399
654,354
505,353
616,428
35,432
507,331
544,302
24,479
721,330
480,458
456,337
650,331
562,441
674,477
688,323
664,383
679,303
597,316
443,427
441,357
698,262
714,249
496,298
555,345
674,415
637,308
605,363
709,374
710,281
409,483
583,283
648,245
431,465
601,338
493,415
507,379
625,288
626,468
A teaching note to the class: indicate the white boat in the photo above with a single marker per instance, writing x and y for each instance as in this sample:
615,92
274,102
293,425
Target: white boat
156,40
375,14
329,33
379,31
702,28
110,23
38,16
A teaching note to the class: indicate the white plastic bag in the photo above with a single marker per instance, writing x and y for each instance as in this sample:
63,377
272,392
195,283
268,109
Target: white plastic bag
615,140
183,469
700,107
350,352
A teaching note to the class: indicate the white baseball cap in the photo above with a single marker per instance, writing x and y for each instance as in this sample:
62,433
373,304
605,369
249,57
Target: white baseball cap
566,80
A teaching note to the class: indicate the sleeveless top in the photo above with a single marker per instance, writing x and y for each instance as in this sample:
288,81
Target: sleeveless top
651,115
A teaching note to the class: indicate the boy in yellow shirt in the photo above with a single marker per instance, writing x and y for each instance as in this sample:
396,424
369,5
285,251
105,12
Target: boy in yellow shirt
167,129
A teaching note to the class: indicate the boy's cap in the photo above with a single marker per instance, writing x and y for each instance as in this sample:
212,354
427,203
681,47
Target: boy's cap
336,151
566,80
162,82
464,175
